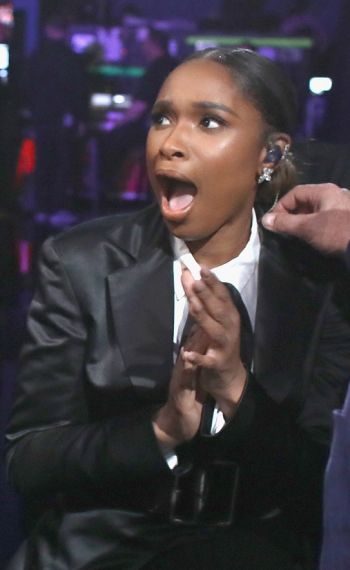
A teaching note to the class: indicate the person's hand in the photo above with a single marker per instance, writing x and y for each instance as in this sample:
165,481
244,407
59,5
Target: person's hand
209,362
179,419
317,213
220,370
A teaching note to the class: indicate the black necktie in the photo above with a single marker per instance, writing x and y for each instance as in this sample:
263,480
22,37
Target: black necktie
247,338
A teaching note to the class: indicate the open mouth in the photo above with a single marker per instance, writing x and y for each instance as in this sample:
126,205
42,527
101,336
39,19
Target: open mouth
177,193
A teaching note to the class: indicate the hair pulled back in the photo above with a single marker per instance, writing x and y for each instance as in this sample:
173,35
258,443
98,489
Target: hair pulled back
262,82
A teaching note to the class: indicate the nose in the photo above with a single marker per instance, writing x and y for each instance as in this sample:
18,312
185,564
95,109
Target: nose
173,144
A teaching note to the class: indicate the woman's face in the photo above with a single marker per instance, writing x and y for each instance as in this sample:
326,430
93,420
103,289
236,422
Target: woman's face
204,150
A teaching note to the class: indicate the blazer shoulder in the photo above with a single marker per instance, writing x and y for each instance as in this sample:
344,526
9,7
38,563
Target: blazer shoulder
301,259
126,233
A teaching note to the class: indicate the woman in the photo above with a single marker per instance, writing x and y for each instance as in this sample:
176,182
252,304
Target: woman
212,460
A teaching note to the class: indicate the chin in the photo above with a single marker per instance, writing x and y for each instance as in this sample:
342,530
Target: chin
186,235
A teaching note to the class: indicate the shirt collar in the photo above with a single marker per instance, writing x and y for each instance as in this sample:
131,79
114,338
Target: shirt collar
237,271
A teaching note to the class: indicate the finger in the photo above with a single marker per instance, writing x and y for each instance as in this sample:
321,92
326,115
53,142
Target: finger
308,198
193,360
215,285
184,377
187,280
202,288
291,224
189,283
304,198
215,327
211,307
214,296
197,340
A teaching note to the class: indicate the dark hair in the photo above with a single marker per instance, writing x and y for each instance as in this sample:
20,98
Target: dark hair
264,83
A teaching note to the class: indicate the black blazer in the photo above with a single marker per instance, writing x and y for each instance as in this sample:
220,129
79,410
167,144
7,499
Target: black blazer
97,364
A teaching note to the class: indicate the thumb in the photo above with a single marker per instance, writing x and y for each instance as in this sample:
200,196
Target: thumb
283,222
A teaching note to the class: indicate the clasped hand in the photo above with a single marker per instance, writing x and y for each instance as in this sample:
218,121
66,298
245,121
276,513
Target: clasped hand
209,362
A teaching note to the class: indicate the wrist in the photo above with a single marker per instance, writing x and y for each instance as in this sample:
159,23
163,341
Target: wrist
163,426
228,399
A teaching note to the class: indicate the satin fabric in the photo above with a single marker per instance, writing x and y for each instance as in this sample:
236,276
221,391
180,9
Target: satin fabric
97,364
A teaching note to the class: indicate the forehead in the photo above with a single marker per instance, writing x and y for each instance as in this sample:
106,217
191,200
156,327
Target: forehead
200,77
201,80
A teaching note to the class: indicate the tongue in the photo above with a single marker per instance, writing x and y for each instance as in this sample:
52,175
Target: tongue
181,197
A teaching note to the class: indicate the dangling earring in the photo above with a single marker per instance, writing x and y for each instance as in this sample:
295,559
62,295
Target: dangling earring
266,175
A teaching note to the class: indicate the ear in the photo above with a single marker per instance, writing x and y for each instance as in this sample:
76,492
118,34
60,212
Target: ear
275,148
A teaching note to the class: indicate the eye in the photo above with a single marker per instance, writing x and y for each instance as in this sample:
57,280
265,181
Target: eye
158,119
212,122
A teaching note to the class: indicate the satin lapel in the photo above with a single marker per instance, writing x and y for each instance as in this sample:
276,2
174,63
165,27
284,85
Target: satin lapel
142,301
286,321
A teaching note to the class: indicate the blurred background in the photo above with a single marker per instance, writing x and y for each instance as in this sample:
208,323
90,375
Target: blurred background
77,80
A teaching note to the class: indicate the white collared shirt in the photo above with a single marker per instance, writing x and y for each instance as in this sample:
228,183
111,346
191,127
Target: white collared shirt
242,272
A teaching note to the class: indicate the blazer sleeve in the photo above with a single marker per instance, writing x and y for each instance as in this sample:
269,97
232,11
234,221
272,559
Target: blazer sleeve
53,445
281,446
319,388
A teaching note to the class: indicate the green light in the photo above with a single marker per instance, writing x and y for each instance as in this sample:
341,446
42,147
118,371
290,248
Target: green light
279,42
117,71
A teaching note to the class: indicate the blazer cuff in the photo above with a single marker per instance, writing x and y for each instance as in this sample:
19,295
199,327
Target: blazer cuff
249,416
132,444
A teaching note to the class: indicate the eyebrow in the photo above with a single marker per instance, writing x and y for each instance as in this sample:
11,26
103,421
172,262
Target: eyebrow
165,104
211,105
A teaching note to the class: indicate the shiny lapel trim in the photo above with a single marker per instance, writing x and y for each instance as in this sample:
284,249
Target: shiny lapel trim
286,325
142,301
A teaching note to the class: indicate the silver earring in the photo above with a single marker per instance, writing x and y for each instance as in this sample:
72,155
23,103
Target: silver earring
266,175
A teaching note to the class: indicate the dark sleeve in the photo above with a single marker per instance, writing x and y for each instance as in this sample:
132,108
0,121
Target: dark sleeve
320,387
53,445
282,446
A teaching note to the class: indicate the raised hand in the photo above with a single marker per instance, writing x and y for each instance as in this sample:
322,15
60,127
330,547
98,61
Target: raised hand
179,419
316,213
220,370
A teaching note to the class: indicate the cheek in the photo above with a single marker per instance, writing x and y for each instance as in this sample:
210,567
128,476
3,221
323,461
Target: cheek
231,171
149,145
153,142
234,152
221,164
151,150
215,162
238,161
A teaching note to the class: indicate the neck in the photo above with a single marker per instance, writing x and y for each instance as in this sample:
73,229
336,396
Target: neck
224,245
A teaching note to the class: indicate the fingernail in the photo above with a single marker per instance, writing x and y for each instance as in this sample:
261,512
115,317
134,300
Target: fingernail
268,220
